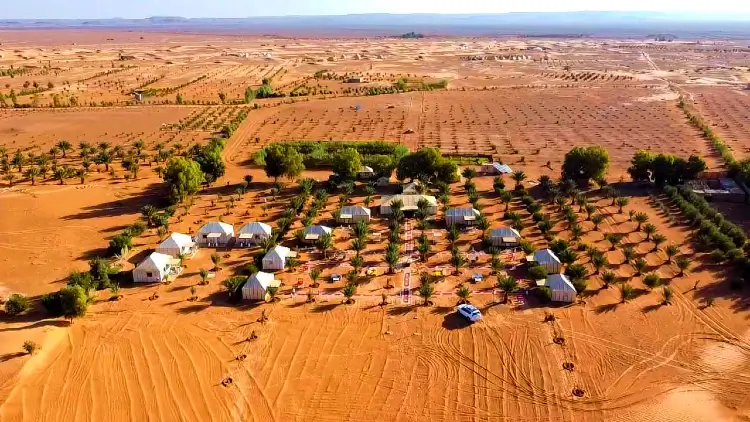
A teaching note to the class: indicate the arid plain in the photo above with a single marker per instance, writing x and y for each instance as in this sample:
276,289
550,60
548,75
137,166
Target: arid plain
155,355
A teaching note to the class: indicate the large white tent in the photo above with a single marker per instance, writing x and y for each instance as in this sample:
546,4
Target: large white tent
410,203
156,268
256,287
461,216
313,233
253,234
275,259
354,213
505,237
548,260
561,287
177,244
215,234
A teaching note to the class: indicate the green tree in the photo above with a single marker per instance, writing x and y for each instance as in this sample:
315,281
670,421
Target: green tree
640,266
348,291
234,286
518,177
621,203
64,147
585,163
626,292
671,251
657,240
640,218
507,284
281,161
74,302
683,263
30,347
608,277
392,256
651,280
183,178
325,243
216,260
426,291
597,219
649,229
457,260
17,304
314,275
347,163
32,173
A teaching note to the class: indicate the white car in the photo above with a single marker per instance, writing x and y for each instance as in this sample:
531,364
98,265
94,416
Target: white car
470,312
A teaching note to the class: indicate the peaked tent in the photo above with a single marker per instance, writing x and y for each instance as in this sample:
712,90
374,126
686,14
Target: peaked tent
253,234
156,268
215,234
256,287
548,260
561,287
176,244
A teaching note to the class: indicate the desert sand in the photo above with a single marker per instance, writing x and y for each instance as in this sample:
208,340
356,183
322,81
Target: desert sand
154,355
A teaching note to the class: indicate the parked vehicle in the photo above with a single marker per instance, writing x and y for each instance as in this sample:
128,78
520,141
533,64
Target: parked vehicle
470,312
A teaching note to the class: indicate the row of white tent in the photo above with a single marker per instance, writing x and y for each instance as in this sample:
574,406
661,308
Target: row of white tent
560,286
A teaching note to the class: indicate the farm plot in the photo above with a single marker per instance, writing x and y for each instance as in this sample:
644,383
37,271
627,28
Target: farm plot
727,110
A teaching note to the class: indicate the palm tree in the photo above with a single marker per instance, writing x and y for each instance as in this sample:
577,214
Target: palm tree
104,157
671,251
597,219
666,295
149,212
598,261
649,229
640,266
576,232
10,177
423,247
64,147
292,262
507,284
496,263
361,230
103,146
457,260
518,177
358,245
517,225
608,277
657,240
463,294
349,290
204,276
61,173
683,263
621,203
626,292
453,234
426,290
81,174
506,198
18,160
629,253
32,173
84,149
544,226
640,218
325,243
590,209
613,239
314,275
392,256
651,280
216,259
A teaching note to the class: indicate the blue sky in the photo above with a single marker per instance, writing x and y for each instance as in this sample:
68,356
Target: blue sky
31,9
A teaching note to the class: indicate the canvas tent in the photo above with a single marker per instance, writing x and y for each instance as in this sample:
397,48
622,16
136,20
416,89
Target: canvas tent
256,287
496,168
412,188
313,233
215,234
547,259
352,214
275,259
561,287
253,234
462,216
156,268
505,237
366,172
410,203
177,244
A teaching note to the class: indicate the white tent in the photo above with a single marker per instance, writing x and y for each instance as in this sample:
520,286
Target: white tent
548,260
461,216
156,268
496,168
410,203
352,214
176,244
275,259
313,233
505,237
411,188
215,234
253,234
366,172
256,287
561,287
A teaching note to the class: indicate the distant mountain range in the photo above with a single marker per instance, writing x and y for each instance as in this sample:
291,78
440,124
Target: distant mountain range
593,24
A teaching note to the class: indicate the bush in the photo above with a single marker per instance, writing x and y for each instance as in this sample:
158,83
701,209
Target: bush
17,304
537,272
120,242
544,294
30,347
718,256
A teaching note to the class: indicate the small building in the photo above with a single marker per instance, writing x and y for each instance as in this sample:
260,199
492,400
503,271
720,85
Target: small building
156,268
215,234
366,172
353,214
313,233
178,244
547,259
561,287
410,203
356,79
275,259
461,216
496,168
256,287
253,234
505,237
412,188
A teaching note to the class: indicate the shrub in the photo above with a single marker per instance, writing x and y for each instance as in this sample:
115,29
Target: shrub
537,272
30,347
17,304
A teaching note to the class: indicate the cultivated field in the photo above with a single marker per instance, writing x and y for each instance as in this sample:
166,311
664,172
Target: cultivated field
165,351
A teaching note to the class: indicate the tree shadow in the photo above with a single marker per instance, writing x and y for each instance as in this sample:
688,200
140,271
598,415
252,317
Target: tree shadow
651,308
152,195
37,324
10,356
606,308
401,310
327,307
455,321
193,308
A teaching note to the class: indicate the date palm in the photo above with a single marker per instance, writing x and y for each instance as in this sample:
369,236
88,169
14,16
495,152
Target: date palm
314,275
683,263
671,251
608,277
496,263
506,198
325,243
629,253
358,245
621,202
640,218
590,209
32,173
507,284
598,261
392,256
649,229
626,292
457,260
657,240
64,147
576,232
597,219
464,294
640,266
18,160
453,234
426,290
613,239
518,177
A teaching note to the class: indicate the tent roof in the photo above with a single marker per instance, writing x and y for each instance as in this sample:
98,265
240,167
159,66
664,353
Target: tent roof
505,232
410,201
355,210
559,282
366,169
256,228
156,261
177,240
261,279
545,255
502,168
217,227
318,230
278,252
462,212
